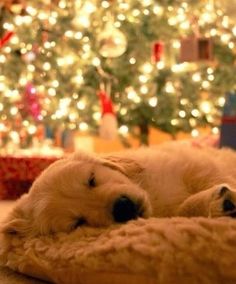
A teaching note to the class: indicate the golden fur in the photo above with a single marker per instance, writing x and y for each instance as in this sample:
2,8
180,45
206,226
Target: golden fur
171,180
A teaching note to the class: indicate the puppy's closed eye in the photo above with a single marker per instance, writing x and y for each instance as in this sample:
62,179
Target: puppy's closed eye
78,223
92,181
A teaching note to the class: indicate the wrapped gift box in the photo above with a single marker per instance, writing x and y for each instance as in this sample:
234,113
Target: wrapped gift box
194,49
18,173
228,127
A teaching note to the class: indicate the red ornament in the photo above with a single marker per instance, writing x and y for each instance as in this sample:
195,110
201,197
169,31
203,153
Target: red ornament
157,51
5,39
31,102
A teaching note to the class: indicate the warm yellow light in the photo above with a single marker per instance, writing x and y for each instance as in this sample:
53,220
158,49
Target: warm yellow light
62,4
52,20
83,126
2,58
182,114
195,133
169,88
1,107
96,61
221,101
136,12
78,35
211,77
81,105
132,60
32,11
79,79
69,34
147,67
55,83
206,84
2,86
30,67
14,135
195,113
83,20
89,7
196,77
172,21
46,66
144,90
213,32
105,4
8,26
176,44
143,79
153,101
2,127
97,116
185,25
32,129
174,121
205,107
158,10
13,110
73,116
124,129
225,38
42,16
210,70
184,101
160,65
215,130
225,22
52,92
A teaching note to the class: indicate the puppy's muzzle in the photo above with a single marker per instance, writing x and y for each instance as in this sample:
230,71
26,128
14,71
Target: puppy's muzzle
124,209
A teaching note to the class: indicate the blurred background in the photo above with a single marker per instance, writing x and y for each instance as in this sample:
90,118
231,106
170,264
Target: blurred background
104,75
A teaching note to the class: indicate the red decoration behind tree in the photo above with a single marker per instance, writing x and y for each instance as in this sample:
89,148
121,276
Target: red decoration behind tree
157,51
5,39
108,126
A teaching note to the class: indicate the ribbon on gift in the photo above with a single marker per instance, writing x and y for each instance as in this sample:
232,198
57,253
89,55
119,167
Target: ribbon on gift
5,39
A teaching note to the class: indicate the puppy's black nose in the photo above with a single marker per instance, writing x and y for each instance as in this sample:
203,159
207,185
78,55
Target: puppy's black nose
124,210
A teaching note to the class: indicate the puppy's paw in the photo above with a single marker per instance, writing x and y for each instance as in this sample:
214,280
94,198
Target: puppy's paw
223,202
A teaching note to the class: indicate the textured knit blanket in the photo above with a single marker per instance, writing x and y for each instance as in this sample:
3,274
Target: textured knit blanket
152,251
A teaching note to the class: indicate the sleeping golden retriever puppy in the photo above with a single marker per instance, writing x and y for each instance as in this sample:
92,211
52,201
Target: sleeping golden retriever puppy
171,180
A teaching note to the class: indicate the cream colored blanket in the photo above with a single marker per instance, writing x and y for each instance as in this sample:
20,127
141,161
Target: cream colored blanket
152,251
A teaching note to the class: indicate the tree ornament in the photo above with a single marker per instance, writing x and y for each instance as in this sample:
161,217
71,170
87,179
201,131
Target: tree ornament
31,102
29,56
112,42
157,51
108,126
5,39
194,48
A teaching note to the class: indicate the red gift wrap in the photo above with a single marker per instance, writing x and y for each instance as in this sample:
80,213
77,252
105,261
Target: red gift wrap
18,173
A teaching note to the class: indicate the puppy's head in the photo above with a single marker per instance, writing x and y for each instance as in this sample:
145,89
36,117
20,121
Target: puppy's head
82,189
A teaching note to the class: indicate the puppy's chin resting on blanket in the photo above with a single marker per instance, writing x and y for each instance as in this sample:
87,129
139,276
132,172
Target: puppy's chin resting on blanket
86,189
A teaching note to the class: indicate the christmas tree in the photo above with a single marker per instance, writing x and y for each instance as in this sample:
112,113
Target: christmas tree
161,64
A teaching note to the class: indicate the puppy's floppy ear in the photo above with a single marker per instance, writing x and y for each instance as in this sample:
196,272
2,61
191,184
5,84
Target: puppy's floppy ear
16,222
16,226
127,166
